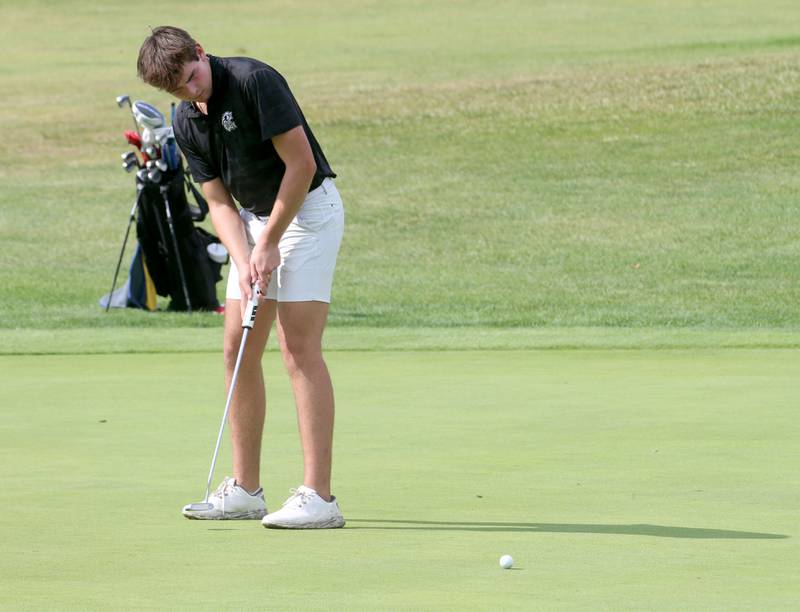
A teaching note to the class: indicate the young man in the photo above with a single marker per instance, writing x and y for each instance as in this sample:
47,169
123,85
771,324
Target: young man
245,137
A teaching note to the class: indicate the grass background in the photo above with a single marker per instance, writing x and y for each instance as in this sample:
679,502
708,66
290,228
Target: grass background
603,163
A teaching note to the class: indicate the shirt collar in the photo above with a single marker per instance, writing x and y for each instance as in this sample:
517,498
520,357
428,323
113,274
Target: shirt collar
219,81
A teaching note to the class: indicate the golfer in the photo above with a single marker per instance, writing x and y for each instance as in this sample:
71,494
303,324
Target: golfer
246,139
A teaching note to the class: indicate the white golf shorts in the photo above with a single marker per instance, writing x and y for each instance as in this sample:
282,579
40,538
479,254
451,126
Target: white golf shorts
309,247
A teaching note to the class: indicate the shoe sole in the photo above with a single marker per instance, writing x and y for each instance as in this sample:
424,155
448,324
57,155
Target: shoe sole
334,523
229,516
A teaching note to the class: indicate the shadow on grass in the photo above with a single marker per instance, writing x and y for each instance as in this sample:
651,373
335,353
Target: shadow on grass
658,531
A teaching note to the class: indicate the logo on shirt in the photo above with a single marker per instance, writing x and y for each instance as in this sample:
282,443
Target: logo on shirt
227,121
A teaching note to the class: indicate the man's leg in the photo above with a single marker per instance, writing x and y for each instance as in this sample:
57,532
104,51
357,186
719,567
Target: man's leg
300,327
248,404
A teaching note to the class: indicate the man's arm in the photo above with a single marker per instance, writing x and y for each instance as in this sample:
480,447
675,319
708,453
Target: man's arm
294,150
230,229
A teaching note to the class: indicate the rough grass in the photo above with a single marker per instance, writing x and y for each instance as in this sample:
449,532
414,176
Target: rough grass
586,164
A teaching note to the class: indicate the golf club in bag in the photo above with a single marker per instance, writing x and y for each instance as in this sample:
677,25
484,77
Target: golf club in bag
248,321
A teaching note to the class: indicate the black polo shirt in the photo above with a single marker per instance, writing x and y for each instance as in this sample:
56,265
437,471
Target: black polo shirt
250,103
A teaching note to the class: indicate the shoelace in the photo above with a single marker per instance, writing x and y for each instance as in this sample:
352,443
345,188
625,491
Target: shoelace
225,487
298,496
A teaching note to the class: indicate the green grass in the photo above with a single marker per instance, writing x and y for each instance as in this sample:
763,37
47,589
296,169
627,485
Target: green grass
109,340
569,164
633,480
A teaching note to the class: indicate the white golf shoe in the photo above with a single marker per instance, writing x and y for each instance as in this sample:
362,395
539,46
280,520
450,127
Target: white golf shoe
228,502
305,510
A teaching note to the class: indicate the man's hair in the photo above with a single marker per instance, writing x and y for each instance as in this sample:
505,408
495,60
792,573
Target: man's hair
163,55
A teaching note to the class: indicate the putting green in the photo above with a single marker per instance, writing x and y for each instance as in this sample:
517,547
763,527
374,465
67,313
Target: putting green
617,479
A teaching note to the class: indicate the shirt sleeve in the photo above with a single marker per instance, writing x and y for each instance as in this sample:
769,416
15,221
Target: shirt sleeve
271,102
199,166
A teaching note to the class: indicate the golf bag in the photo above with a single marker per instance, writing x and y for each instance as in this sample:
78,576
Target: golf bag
189,273
137,292
180,261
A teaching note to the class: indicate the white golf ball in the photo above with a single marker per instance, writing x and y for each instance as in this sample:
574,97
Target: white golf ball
506,561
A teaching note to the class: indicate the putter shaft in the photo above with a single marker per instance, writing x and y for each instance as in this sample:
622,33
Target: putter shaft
227,409
248,321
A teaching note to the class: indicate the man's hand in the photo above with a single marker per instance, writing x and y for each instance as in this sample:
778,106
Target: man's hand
245,288
264,260
294,150
231,231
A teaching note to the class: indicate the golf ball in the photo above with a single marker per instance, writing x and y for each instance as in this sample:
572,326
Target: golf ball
506,561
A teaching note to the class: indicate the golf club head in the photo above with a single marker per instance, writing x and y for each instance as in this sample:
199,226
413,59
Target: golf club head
154,175
142,175
133,139
122,100
128,156
161,165
129,166
161,135
200,507
147,115
152,152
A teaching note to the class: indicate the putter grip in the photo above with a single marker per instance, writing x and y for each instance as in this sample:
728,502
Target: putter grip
249,318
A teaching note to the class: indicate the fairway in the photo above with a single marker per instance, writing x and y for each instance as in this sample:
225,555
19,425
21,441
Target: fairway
617,479
593,163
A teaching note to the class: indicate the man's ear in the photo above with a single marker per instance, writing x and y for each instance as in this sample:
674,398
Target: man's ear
201,54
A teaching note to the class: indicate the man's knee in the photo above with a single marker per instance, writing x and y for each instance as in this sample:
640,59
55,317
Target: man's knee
300,353
230,349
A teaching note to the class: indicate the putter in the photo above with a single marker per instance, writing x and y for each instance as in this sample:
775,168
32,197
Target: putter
247,324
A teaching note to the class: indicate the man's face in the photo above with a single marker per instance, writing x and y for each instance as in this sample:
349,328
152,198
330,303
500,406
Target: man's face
195,82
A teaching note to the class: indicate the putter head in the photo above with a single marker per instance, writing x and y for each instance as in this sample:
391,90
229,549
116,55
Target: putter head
200,507
122,100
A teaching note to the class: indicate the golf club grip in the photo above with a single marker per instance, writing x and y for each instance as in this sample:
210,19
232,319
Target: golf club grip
249,318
